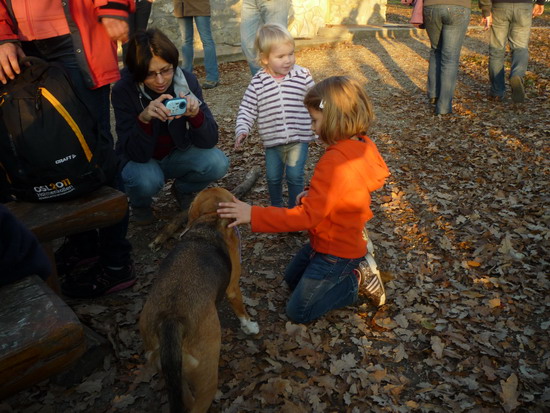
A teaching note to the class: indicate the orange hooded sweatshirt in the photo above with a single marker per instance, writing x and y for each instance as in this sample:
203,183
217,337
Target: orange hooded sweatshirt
338,201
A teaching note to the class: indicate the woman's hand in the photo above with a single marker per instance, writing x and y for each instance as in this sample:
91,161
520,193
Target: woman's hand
193,106
240,211
156,109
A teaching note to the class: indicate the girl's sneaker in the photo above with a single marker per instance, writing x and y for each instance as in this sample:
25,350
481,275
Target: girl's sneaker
371,282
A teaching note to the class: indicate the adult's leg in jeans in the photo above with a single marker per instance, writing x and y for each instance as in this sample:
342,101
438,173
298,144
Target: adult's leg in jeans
195,168
434,26
519,38
275,11
327,283
142,181
502,17
187,52
250,22
274,170
455,25
210,58
296,158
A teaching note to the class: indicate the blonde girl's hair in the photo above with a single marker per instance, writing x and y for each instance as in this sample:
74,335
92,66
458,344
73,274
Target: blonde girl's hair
269,35
347,110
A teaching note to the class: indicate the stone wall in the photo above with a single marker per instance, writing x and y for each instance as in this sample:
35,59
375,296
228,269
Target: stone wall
306,17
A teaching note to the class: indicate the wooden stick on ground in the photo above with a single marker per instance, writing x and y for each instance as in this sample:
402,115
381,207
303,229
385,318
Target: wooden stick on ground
181,218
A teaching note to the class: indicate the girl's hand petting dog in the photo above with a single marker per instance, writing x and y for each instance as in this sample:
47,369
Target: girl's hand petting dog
238,210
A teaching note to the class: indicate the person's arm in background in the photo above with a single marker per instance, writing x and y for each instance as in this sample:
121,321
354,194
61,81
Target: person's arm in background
114,17
487,19
538,8
10,49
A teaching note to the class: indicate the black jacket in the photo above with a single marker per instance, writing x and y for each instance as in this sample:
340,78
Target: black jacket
134,144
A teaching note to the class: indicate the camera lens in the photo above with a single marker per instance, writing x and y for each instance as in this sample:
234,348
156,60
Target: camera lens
182,105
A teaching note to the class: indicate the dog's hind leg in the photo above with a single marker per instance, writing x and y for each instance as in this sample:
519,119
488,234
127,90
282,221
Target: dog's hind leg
203,377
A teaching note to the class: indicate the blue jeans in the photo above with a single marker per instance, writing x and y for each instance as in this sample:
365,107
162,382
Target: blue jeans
208,45
511,23
193,170
319,283
255,13
288,160
446,27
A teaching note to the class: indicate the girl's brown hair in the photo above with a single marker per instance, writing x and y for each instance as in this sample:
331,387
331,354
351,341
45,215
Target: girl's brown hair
347,110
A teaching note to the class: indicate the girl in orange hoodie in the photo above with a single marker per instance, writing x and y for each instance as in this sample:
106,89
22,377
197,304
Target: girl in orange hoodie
324,274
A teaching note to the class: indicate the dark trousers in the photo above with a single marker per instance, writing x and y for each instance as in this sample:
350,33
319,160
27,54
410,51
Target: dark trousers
114,248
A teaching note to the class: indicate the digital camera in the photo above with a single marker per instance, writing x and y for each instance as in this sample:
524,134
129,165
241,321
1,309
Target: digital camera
176,106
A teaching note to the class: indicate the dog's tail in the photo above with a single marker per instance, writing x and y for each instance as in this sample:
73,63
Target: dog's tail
171,335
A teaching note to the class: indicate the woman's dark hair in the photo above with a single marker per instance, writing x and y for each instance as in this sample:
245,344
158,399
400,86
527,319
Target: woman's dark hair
143,45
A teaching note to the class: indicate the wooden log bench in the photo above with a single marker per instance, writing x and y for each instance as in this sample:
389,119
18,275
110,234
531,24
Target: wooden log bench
40,335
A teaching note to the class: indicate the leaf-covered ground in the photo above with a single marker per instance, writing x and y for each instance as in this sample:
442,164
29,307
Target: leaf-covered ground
461,232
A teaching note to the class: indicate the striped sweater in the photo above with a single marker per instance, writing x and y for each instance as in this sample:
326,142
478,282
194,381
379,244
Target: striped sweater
277,107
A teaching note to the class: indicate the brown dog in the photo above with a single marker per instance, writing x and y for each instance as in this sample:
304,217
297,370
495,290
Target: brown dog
179,323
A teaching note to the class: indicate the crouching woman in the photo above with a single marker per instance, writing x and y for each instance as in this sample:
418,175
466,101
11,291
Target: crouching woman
154,143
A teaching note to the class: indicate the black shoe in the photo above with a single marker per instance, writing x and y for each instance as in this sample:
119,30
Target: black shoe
99,280
70,256
183,200
143,216
518,92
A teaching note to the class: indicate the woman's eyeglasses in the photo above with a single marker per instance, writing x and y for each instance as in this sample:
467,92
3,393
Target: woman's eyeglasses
164,73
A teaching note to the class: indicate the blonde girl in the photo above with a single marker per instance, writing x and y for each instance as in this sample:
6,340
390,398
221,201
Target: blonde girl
274,100
322,275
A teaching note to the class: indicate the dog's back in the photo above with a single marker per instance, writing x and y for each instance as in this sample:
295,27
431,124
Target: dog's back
179,322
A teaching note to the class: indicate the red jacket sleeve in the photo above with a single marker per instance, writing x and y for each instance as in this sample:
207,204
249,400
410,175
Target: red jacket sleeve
119,9
8,30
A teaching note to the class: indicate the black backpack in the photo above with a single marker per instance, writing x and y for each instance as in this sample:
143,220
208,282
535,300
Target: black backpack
51,148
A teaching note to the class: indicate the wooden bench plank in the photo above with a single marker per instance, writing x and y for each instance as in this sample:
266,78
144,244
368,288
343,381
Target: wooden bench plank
52,220
39,335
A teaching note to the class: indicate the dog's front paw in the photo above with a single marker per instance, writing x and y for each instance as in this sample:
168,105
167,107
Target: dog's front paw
249,327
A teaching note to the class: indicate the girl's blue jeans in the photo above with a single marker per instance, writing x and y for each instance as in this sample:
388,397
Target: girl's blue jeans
193,170
288,160
319,283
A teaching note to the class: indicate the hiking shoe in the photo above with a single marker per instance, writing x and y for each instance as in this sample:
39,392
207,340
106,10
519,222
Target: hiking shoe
209,84
99,280
371,282
71,255
143,216
182,199
518,92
